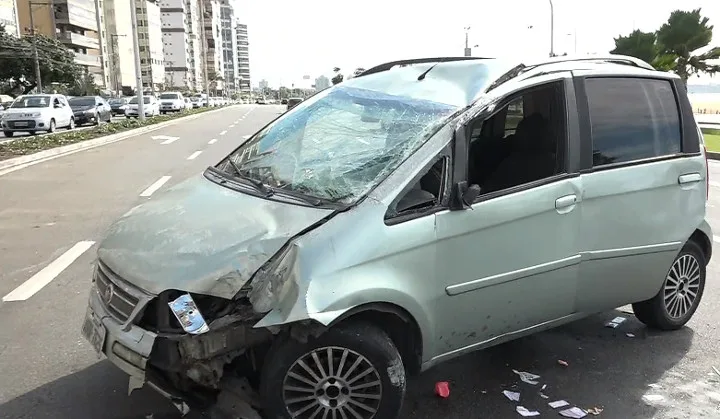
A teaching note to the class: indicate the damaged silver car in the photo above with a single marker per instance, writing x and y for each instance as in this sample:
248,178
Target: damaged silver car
422,210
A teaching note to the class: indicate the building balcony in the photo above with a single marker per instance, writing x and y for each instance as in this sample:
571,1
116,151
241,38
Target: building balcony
75,39
87,60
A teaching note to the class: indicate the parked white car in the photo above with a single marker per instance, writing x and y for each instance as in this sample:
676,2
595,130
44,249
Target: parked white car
151,107
171,102
188,103
33,113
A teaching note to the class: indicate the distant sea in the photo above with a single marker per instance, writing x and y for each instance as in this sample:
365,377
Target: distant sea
705,98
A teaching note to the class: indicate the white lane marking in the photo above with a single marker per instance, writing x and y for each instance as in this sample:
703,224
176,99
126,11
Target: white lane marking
714,184
155,186
223,133
716,239
232,126
194,155
246,136
168,139
213,141
28,288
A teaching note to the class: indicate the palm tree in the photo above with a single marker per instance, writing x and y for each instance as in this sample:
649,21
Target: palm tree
682,36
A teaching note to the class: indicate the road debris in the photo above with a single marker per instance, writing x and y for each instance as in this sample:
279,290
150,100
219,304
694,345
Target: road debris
594,411
527,377
544,396
512,395
526,413
630,335
615,322
563,363
558,404
573,412
652,398
654,385
442,389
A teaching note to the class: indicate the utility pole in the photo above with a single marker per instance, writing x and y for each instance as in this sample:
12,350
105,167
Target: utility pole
36,57
467,46
114,44
206,82
552,29
138,68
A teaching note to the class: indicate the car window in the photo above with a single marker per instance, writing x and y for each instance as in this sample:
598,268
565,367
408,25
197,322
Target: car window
31,102
632,119
82,101
56,102
514,116
169,96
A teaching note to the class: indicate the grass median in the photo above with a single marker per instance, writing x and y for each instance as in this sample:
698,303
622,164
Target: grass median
712,139
32,144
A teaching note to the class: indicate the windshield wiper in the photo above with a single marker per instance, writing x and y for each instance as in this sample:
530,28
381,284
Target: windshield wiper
243,173
422,76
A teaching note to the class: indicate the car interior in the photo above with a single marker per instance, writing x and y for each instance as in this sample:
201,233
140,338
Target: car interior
520,143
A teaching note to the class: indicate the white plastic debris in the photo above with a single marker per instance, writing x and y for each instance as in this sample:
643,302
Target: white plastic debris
653,398
630,335
512,395
573,412
654,385
559,403
526,413
615,322
527,377
544,396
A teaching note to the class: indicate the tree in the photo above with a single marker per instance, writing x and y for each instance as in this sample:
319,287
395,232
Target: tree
338,77
682,36
643,45
17,64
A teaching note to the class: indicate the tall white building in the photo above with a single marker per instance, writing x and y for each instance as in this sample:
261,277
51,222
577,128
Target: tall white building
9,17
192,9
243,59
322,83
120,56
177,44
152,59
228,34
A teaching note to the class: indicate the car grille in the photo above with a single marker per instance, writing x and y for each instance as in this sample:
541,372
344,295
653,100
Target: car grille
23,124
113,294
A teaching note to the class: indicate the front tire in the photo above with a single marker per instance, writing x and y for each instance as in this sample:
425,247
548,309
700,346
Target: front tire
8,134
357,372
71,125
681,292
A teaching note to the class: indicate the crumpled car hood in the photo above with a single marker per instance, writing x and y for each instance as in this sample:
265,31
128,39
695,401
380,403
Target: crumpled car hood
201,237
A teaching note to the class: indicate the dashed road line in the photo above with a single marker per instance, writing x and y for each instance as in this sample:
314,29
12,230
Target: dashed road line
246,136
213,141
232,126
714,184
28,288
716,239
155,186
223,133
194,155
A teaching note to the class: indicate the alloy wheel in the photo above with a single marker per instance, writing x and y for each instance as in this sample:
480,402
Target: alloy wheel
332,382
681,286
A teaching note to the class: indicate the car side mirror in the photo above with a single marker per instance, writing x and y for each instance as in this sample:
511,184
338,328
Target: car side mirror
463,195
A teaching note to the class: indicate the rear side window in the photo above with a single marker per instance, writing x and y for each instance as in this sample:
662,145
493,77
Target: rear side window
632,119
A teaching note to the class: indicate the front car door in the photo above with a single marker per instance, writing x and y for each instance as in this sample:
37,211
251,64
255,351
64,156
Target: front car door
510,263
643,176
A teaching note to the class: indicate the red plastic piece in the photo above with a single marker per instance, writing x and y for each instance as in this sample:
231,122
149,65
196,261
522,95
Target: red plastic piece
442,389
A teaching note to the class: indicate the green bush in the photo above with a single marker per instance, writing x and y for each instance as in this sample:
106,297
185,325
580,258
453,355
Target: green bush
33,144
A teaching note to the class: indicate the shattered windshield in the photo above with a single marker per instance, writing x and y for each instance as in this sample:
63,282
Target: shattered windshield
340,143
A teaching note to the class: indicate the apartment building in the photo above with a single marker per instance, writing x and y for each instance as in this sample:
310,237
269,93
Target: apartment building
120,56
177,44
228,32
213,43
322,83
192,10
152,58
76,24
243,59
9,17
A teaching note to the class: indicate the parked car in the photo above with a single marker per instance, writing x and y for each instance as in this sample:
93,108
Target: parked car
118,105
151,107
284,101
188,103
33,113
90,109
171,102
261,101
509,198
292,102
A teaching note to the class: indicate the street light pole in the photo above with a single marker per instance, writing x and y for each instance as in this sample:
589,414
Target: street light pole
115,45
552,29
38,78
206,82
467,46
138,68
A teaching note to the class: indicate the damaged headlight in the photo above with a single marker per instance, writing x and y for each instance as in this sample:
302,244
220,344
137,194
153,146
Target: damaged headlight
272,282
188,314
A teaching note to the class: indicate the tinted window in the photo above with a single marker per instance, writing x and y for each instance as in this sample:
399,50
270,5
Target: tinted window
632,119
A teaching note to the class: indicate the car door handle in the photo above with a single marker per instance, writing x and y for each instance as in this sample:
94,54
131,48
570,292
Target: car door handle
689,178
566,203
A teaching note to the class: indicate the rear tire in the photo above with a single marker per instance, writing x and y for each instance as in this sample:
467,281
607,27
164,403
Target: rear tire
51,127
366,369
8,134
681,292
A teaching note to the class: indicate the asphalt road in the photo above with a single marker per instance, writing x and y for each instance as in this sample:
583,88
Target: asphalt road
48,371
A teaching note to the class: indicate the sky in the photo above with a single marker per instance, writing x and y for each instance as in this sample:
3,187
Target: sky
290,38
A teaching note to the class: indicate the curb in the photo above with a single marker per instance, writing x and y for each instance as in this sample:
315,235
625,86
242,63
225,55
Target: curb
713,155
17,163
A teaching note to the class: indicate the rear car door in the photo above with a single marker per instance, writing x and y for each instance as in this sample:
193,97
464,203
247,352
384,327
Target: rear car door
510,263
644,181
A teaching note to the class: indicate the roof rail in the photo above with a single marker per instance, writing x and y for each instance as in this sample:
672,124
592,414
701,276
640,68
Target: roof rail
391,64
611,58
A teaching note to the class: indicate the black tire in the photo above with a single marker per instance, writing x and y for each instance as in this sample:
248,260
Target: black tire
360,338
655,313
97,120
51,127
127,116
71,125
8,134
32,132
